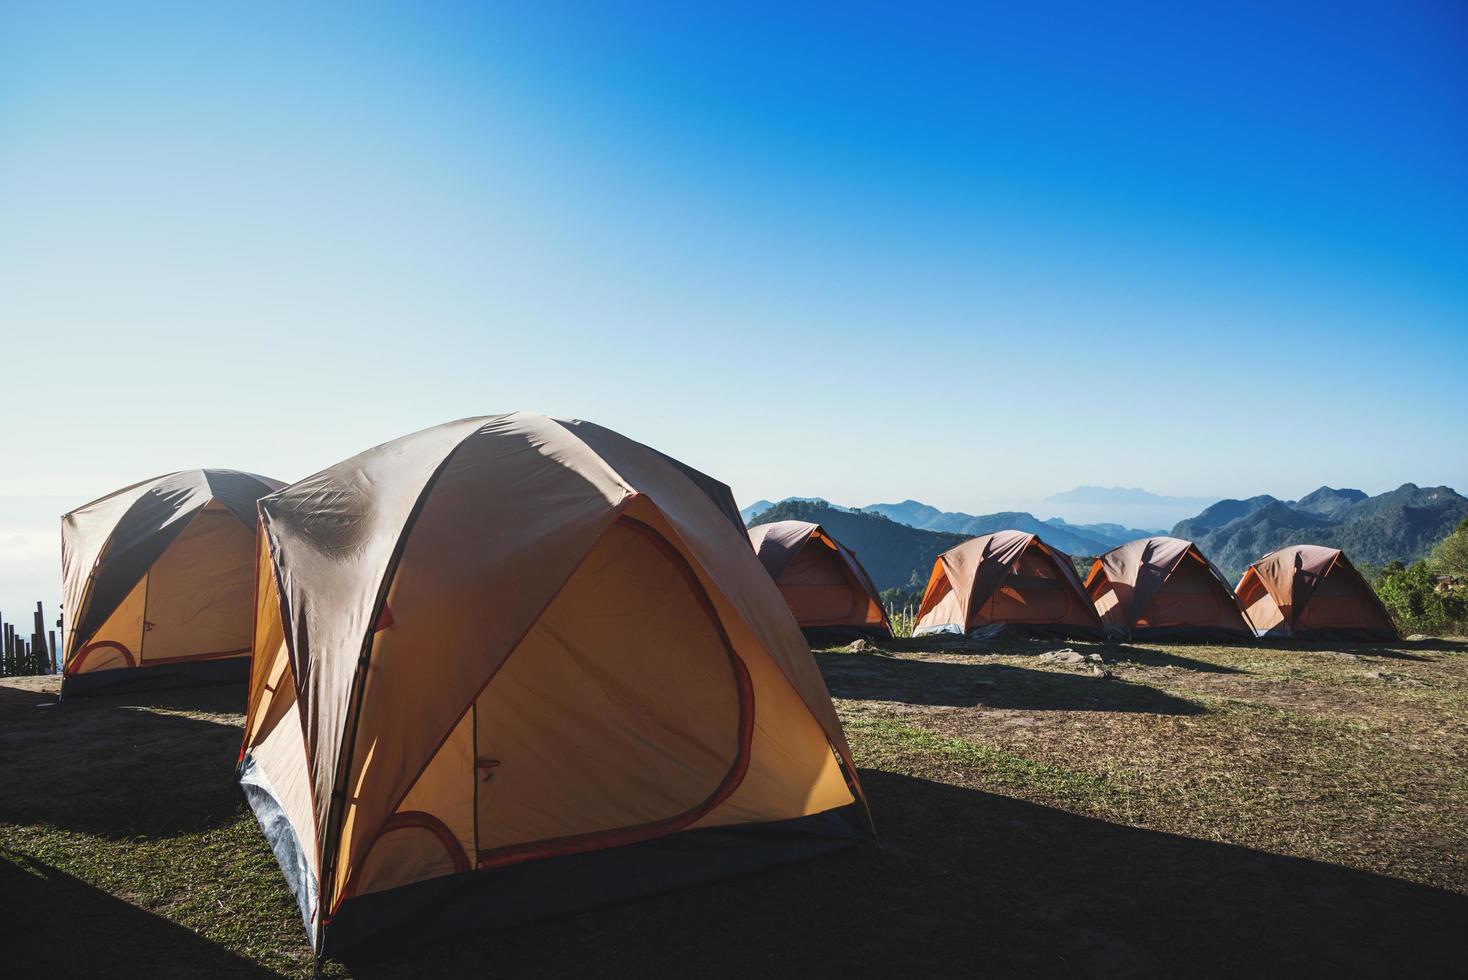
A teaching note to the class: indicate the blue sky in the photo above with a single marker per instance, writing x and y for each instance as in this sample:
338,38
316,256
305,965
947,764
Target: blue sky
973,256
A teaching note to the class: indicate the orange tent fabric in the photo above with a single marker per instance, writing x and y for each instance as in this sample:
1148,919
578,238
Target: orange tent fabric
1309,592
158,581
516,665
829,593
1006,580
1164,587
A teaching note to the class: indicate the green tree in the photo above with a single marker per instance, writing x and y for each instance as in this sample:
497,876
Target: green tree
1419,605
1450,556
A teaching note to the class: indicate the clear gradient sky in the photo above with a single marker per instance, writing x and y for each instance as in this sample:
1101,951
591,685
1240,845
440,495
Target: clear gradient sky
863,251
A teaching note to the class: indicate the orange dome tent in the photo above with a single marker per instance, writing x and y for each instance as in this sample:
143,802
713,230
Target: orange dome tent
1008,580
829,593
158,582
1164,587
1309,592
515,665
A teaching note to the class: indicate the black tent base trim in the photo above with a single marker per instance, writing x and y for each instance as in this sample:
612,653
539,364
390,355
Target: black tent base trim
1344,635
1035,631
518,893
827,636
125,680
1192,634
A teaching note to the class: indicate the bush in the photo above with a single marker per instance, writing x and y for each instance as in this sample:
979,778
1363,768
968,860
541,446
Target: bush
902,607
1430,596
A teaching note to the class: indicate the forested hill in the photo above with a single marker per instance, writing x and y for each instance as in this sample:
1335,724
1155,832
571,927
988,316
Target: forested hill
895,555
1400,525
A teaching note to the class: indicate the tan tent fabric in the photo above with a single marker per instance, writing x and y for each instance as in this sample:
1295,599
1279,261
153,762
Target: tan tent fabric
828,591
1163,587
1008,579
160,575
1312,592
519,641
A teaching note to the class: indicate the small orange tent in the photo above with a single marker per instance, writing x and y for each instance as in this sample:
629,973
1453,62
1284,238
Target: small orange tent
514,665
158,581
1164,587
1309,592
1008,580
829,593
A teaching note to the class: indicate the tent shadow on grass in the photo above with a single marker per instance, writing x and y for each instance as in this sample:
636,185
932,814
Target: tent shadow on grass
58,926
109,766
1390,651
1439,643
964,685
969,883
1151,657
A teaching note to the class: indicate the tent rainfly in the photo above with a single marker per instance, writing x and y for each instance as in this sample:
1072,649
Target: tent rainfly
512,666
157,582
1008,580
1164,587
1308,592
829,593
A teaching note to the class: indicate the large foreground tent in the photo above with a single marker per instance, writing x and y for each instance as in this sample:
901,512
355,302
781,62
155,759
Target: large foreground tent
1309,592
158,582
515,665
829,593
1164,587
1006,581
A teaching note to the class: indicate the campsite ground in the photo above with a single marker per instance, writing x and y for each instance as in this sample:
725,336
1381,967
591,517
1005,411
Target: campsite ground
1170,810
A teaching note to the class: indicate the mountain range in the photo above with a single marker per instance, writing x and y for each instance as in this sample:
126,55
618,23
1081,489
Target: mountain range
898,542
1080,539
1399,525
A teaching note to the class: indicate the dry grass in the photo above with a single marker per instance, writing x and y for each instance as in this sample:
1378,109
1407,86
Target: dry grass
1201,810
1357,758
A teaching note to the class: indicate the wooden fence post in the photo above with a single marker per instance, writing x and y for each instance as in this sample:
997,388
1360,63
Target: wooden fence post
38,642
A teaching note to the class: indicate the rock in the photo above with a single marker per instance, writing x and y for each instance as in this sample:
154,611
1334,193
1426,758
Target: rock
1094,658
1418,638
1066,656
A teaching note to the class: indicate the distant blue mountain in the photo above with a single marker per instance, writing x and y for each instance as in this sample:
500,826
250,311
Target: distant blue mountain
1067,537
1112,534
1130,506
1123,496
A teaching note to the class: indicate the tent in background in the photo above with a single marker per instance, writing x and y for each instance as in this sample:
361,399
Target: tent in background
1312,593
829,593
513,666
158,582
1164,587
1008,580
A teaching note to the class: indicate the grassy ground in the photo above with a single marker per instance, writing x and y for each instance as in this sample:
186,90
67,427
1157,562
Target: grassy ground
1176,810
